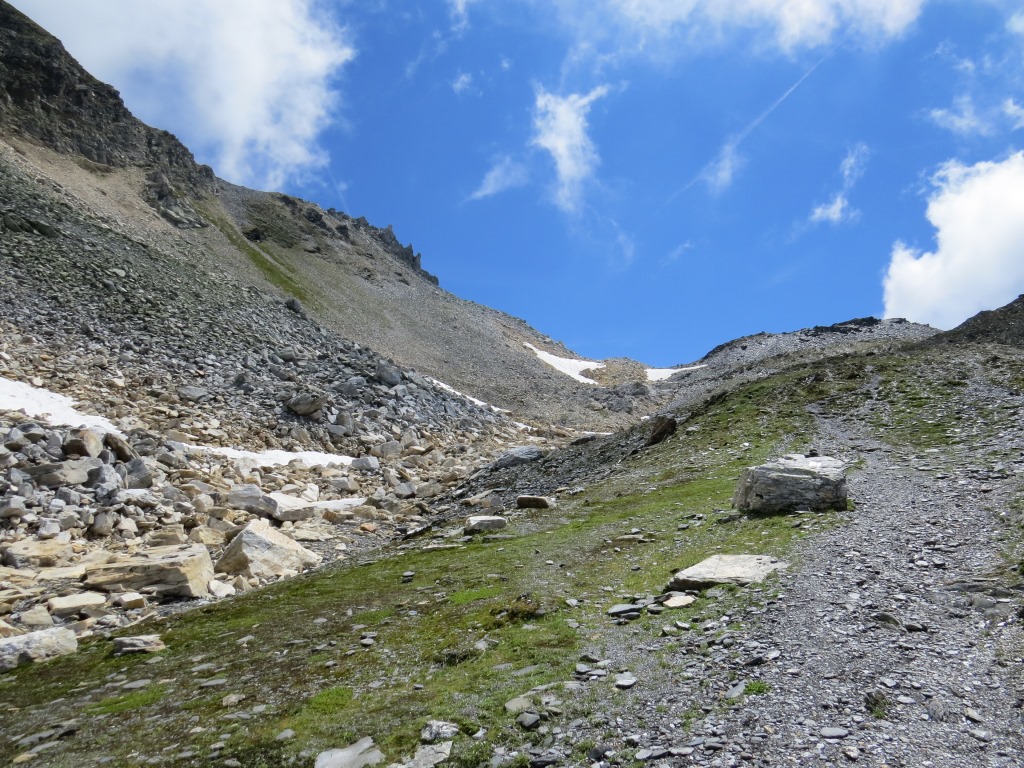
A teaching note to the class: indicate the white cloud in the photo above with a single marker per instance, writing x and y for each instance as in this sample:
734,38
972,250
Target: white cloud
640,25
961,119
836,212
249,84
978,214
1015,112
719,173
839,210
1016,23
462,83
505,174
560,128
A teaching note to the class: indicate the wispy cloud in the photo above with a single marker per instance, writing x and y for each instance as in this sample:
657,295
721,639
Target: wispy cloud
249,84
676,253
610,30
962,118
560,128
458,10
463,83
1015,112
505,174
838,210
978,215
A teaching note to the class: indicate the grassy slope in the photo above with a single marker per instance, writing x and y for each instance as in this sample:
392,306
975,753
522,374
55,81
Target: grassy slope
303,658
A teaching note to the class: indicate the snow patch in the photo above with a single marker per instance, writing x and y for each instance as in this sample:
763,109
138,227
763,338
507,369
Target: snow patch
572,368
59,410
660,374
53,408
275,458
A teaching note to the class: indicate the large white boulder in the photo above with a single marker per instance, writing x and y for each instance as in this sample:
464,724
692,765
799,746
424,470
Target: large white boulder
179,570
36,646
262,551
794,482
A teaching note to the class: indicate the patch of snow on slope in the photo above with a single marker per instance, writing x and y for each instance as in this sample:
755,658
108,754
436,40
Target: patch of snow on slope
470,398
660,374
60,410
571,368
43,404
276,458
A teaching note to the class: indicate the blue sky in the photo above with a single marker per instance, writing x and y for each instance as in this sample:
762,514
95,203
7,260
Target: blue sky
641,178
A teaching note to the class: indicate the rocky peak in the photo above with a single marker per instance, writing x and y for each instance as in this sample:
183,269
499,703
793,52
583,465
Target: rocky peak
46,96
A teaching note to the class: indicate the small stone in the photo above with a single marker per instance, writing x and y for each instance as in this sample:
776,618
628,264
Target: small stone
139,644
533,502
833,733
528,721
625,681
623,609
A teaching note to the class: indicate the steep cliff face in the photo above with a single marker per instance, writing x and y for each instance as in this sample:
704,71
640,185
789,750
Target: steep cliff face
47,96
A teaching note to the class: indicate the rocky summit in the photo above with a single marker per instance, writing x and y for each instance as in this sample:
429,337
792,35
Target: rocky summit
269,496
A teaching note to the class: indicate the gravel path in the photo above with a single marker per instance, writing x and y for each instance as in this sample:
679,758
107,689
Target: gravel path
891,641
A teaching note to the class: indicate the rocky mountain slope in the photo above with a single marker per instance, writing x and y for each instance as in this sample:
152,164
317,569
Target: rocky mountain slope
357,279
257,551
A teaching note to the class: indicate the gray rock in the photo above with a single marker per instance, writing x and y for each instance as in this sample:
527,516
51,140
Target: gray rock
438,730
833,733
625,681
264,552
430,755
522,455
363,752
307,403
388,374
252,499
193,394
36,646
533,502
182,571
484,523
83,443
623,609
366,463
64,473
528,721
793,482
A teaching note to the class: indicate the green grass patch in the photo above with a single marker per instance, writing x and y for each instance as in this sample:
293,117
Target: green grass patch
128,702
276,272
472,595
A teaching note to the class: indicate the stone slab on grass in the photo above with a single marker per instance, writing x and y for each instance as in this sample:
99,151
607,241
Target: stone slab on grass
739,570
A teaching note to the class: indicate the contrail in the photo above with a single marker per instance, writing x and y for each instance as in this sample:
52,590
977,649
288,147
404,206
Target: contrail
778,102
734,141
